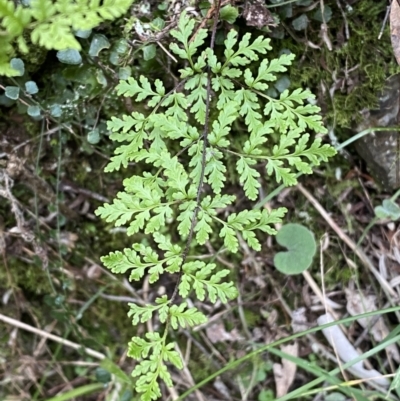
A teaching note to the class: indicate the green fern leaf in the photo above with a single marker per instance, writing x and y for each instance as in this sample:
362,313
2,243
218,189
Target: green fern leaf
140,314
246,52
131,88
268,218
177,105
185,217
14,19
120,262
144,313
267,72
203,228
216,171
147,383
140,348
209,204
257,139
239,220
230,238
222,126
317,153
185,29
181,316
165,375
200,277
120,211
170,141
283,174
224,86
197,87
250,104
248,177
135,120
195,151
42,10
173,253
172,356
56,35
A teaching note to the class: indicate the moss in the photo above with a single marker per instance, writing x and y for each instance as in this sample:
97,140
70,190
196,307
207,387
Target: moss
357,68
30,277
200,365
107,323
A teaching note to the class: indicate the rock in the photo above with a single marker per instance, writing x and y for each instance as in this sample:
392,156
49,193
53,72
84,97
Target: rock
380,149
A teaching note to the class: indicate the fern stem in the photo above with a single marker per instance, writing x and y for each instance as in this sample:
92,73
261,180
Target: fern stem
203,168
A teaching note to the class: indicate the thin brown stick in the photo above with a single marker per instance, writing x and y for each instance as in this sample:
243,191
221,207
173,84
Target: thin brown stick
352,245
45,334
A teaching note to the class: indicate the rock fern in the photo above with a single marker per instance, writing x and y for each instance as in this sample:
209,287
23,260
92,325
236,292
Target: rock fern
185,140
50,24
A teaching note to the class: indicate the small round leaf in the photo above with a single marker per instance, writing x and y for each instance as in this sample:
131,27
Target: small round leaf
121,46
31,87
229,14
114,58
149,52
388,210
12,92
124,72
158,23
69,56
301,246
101,78
18,65
282,83
300,23
55,110
93,137
34,111
102,375
84,34
99,43
327,14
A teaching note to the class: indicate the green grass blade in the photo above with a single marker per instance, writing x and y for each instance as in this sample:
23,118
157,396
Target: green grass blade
77,392
315,382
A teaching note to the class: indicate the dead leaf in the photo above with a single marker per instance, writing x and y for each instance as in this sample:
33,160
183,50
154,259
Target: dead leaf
359,303
220,386
217,333
299,320
68,239
346,352
284,373
94,272
395,29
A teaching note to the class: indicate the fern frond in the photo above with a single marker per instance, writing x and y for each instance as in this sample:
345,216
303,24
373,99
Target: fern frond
55,35
201,278
14,18
187,160
52,23
144,313
42,10
185,317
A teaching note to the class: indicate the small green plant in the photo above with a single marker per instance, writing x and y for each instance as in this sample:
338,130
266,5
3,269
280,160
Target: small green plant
50,24
186,139
301,246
